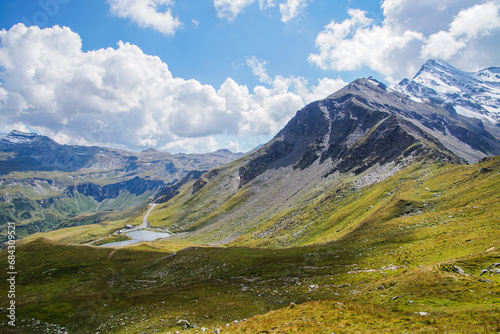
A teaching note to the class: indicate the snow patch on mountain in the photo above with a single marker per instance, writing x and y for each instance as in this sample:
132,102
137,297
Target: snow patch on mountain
472,94
18,137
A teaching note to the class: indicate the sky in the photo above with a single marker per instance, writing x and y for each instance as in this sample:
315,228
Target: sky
201,75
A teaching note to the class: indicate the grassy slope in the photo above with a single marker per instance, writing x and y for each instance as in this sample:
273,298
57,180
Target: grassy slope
422,196
421,221
188,212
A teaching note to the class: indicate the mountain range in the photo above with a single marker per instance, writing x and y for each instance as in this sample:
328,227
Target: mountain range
374,210
366,129
362,134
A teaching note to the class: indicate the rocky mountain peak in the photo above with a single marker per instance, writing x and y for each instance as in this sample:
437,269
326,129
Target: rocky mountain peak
439,67
363,87
361,125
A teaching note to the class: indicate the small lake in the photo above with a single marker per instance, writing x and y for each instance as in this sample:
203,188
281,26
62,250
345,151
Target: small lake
138,236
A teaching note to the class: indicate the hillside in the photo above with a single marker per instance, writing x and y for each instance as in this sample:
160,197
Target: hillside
408,257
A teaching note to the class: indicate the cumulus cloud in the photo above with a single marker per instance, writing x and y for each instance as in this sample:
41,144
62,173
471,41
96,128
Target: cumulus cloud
230,9
147,14
299,85
268,109
107,96
469,24
265,110
191,145
411,32
121,97
358,42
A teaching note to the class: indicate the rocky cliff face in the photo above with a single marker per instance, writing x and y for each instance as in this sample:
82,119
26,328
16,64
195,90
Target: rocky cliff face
366,124
135,186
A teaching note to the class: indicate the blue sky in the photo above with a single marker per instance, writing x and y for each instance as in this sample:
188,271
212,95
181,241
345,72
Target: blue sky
198,75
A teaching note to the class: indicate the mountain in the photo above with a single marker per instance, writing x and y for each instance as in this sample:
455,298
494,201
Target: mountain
33,152
368,212
43,183
475,95
363,133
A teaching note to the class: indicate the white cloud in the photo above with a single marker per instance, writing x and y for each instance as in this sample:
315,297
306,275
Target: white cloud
357,42
147,14
290,9
126,99
107,96
325,87
460,31
192,145
230,9
469,24
233,146
258,68
262,112
268,109
299,85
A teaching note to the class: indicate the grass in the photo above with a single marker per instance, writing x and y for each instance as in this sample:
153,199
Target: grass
111,238
352,317
109,223
366,261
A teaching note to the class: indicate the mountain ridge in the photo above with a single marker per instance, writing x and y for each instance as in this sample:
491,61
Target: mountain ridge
365,132
472,94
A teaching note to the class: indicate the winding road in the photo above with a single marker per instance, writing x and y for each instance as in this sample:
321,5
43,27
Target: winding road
145,223
143,226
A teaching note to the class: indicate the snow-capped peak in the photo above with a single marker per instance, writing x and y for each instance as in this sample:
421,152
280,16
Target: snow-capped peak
18,137
472,94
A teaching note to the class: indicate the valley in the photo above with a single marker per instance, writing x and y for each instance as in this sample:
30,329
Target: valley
372,211
46,186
